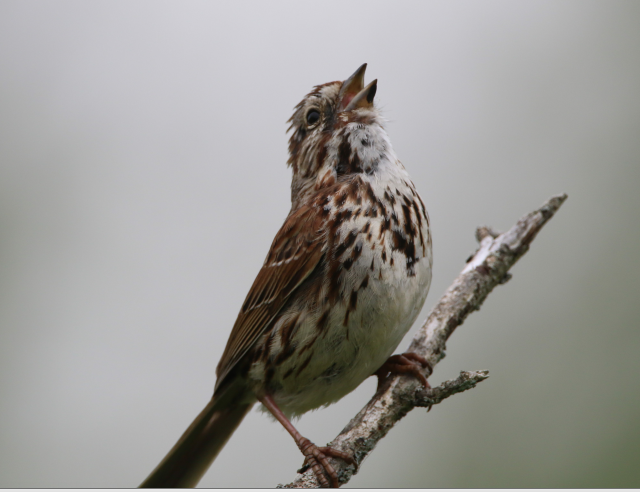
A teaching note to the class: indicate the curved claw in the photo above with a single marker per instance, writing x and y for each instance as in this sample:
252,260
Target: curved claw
407,363
316,459
333,453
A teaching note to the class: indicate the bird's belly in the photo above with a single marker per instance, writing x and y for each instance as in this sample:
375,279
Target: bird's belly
358,334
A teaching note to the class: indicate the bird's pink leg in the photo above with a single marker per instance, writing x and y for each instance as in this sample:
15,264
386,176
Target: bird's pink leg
314,457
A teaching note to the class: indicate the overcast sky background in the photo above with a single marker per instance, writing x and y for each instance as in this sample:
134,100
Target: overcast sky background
143,177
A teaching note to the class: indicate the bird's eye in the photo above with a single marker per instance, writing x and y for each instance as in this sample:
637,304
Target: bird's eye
313,117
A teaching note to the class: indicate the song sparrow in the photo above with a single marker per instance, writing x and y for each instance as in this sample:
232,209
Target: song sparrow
345,278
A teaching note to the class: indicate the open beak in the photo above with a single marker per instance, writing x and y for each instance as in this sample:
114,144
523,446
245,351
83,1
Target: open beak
352,93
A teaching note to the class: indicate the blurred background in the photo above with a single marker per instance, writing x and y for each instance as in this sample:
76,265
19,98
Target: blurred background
143,177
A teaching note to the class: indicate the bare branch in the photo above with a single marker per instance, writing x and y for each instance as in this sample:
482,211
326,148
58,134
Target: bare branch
466,381
487,268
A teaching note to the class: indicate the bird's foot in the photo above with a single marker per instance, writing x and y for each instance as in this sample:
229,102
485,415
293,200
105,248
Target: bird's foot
316,458
407,363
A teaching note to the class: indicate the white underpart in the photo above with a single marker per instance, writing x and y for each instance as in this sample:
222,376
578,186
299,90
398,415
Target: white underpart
344,356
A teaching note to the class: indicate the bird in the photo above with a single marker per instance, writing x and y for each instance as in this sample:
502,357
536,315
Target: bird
344,280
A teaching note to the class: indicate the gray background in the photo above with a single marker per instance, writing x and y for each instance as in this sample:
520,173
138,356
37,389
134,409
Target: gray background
143,177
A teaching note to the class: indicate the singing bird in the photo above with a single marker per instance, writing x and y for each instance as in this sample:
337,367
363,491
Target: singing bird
344,280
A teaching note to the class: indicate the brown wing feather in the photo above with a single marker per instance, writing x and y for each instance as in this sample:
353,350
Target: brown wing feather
294,254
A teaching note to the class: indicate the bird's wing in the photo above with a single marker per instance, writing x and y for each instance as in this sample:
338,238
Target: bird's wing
295,252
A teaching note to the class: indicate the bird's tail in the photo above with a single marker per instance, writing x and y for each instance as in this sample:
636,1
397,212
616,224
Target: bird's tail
194,452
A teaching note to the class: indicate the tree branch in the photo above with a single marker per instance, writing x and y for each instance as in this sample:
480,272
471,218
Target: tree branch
485,269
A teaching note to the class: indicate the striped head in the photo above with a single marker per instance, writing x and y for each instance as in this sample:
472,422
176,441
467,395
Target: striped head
336,132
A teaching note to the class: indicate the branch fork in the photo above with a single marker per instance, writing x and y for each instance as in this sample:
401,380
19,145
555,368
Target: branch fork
485,269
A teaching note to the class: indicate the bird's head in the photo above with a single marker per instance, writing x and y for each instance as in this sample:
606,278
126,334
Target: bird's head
325,126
